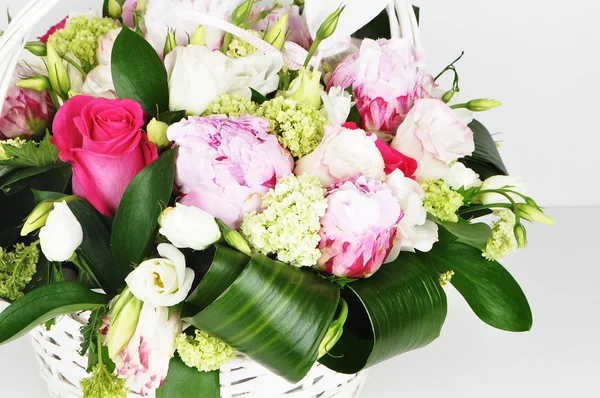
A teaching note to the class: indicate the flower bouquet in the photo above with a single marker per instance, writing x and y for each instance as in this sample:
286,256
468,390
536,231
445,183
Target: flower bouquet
278,180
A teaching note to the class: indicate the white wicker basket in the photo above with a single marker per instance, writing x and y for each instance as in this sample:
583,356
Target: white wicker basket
62,367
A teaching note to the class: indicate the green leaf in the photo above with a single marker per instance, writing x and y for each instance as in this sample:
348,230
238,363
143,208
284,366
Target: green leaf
31,154
95,251
486,160
136,221
257,97
21,178
93,357
171,117
185,382
490,290
138,73
46,303
400,308
474,234
90,331
274,313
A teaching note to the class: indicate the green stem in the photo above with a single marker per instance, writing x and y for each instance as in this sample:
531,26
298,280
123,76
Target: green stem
449,67
459,106
473,209
510,199
226,42
311,51
99,339
76,65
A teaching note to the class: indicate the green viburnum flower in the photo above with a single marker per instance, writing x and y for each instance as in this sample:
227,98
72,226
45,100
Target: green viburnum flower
502,241
103,384
232,106
203,352
17,269
238,48
441,201
299,127
17,142
290,223
80,38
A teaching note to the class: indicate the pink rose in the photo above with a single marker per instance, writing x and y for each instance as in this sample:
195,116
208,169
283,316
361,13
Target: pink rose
25,112
359,227
58,26
386,77
103,141
225,165
434,136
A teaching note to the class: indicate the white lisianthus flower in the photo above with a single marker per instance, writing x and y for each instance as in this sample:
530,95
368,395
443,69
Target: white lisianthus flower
105,46
336,105
61,235
197,76
99,83
415,232
460,176
259,71
162,282
189,227
517,184
343,153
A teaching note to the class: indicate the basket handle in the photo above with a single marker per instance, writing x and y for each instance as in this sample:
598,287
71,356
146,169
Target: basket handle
403,23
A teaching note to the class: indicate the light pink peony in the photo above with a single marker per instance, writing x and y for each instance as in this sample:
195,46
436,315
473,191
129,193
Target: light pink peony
434,136
145,360
386,77
359,227
25,113
225,165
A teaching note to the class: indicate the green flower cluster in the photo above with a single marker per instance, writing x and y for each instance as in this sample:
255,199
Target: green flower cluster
16,269
17,142
299,127
204,352
502,241
103,384
441,201
238,48
290,223
232,106
80,38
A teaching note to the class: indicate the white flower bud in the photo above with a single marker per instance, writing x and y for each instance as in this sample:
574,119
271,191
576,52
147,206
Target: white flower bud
61,235
189,227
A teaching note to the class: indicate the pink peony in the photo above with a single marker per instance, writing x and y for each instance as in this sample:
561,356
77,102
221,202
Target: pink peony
103,141
434,136
386,77
225,165
25,113
359,227
145,360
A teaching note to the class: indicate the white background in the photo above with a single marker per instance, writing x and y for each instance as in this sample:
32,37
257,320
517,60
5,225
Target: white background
540,58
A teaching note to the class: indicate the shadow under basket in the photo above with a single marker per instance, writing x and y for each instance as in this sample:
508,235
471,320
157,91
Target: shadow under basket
61,367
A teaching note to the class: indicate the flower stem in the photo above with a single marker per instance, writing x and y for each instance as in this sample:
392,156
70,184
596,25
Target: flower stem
75,65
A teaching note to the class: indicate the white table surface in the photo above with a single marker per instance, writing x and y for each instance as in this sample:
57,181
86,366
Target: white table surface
560,357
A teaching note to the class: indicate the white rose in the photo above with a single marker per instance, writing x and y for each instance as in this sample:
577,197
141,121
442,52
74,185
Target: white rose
517,184
162,282
260,72
336,105
61,235
197,76
342,154
460,176
433,135
189,227
105,46
414,230
99,83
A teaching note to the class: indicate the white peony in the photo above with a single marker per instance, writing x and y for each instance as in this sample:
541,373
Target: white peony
162,282
189,227
61,235
342,154
336,105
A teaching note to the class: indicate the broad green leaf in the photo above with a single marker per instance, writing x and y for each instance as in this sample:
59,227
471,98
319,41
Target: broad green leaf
257,97
44,304
274,313
95,251
171,117
474,234
138,73
486,160
32,154
20,178
136,221
400,308
185,382
488,287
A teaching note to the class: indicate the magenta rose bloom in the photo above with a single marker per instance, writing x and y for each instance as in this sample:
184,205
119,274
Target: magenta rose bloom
386,77
25,113
104,142
359,227
224,165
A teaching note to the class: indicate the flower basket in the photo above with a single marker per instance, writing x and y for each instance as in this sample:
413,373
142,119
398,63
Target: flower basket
61,367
